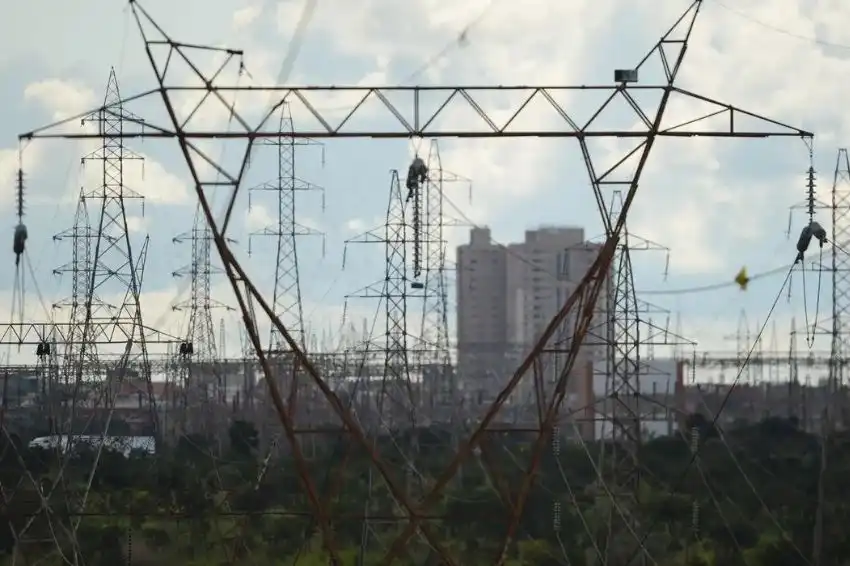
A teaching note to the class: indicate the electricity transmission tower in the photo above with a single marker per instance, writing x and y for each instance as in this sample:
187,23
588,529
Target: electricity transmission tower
438,379
397,400
835,410
286,230
81,236
838,265
111,270
201,380
393,399
415,118
287,300
634,389
840,275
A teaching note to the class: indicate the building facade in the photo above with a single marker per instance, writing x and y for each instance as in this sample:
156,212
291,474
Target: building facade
506,297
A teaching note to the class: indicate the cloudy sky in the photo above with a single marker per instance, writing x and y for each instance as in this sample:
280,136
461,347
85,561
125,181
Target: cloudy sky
716,204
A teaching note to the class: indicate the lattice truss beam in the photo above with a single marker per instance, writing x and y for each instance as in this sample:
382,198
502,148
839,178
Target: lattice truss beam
99,333
638,113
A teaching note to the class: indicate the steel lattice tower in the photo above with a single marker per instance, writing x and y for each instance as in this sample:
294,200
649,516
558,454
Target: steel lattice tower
114,268
393,404
434,334
630,338
840,268
835,410
623,356
286,230
80,268
286,295
397,400
201,380
200,332
396,389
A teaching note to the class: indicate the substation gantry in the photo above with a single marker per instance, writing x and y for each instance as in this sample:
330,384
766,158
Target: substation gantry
419,115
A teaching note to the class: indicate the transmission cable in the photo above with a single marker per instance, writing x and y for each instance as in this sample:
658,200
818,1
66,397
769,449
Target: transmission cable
811,330
780,31
714,500
714,286
841,249
296,41
737,463
341,441
724,402
460,40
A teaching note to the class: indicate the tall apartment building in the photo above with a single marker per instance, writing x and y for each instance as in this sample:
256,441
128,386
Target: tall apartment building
507,295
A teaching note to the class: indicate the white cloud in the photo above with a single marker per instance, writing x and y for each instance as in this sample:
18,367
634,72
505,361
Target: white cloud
258,217
155,183
137,224
144,176
310,223
244,17
62,97
355,225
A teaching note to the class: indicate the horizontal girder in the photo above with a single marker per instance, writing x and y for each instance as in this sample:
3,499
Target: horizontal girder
436,112
809,359
33,333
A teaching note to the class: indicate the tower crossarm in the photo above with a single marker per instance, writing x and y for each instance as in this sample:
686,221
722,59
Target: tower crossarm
100,332
418,111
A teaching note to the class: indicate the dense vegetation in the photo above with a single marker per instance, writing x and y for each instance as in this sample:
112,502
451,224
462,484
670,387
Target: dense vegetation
750,500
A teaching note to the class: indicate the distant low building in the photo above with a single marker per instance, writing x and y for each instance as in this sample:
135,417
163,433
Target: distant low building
123,444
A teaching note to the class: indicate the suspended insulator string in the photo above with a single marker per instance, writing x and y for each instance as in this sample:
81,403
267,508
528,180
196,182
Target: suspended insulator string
20,195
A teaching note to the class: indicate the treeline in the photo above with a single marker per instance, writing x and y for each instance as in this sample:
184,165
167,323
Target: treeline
748,497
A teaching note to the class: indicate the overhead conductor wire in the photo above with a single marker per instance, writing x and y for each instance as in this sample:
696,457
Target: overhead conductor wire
809,232
286,68
745,363
616,506
788,269
715,286
780,31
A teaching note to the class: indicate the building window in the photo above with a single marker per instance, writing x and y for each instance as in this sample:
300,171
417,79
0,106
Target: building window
563,265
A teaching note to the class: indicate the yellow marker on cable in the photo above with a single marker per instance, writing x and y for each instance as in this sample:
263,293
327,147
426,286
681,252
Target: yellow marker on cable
742,279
